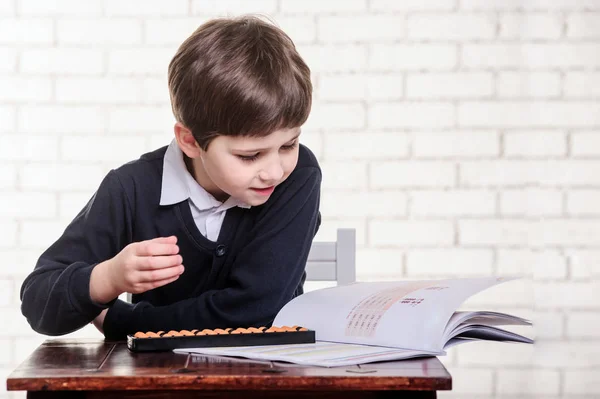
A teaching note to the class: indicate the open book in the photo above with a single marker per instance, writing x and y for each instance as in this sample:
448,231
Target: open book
367,322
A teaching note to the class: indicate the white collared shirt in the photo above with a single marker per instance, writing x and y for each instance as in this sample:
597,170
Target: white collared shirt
178,185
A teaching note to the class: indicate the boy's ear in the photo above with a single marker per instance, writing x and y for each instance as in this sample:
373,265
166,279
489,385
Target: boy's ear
186,141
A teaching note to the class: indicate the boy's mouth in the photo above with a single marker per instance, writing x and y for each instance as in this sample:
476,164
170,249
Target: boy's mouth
264,190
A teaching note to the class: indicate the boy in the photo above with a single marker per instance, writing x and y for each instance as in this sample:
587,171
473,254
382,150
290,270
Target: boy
212,231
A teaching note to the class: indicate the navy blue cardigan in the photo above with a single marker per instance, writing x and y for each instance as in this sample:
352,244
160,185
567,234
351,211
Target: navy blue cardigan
243,279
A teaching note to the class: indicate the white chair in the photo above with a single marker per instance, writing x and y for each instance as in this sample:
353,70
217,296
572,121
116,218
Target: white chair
333,261
327,261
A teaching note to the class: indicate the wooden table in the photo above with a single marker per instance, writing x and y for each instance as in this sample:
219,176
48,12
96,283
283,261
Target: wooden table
97,369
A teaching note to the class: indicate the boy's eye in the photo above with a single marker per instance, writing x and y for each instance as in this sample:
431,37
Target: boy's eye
248,158
289,146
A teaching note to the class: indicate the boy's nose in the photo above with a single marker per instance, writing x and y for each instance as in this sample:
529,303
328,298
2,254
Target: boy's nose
272,173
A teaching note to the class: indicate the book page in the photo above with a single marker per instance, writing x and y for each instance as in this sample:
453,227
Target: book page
325,354
399,314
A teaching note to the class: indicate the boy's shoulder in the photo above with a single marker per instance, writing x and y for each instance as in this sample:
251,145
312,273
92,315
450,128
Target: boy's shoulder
146,170
306,158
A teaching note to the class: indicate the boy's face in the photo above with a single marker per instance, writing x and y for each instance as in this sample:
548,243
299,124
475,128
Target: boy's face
247,168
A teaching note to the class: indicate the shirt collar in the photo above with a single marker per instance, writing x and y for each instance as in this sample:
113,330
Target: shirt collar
178,184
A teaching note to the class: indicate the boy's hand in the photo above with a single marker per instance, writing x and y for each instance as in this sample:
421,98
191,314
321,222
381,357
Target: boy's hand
139,267
99,321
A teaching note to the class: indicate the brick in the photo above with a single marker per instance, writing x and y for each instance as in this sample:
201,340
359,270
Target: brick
531,26
56,177
301,29
26,31
411,115
139,61
320,7
585,144
314,141
344,175
337,116
8,119
582,84
531,202
412,5
585,264
360,87
334,58
50,119
452,203
455,262
98,91
8,232
6,357
517,172
548,325
395,57
403,233
467,380
30,205
8,176
7,8
583,202
17,263
533,55
449,85
6,292
379,264
566,354
170,31
451,27
18,89
581,382
356,204
328,229
70,204
501,232
159,140
8,56
573,232
494,354
369,145
60,7
412,174
113,32
535,143
565,295
40,235
233,7
155,91
583,26
528,381
510,84
528,114
90,149
539,264
542,5
335,28
583,324
472,144
140,120
75,61
138,8
16,324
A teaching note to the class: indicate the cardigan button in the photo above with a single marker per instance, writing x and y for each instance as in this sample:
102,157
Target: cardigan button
220,250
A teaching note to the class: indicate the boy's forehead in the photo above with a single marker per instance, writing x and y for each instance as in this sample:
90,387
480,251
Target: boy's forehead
276,138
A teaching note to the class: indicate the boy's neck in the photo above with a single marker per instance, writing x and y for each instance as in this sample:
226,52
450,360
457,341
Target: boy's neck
199,177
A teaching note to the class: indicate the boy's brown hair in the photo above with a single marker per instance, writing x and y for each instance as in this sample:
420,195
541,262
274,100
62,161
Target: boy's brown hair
238,77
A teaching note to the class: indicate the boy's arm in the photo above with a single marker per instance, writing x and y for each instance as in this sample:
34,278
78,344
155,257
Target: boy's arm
56,295
264,277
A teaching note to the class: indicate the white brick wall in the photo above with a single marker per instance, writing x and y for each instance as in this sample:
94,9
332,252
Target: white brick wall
458,137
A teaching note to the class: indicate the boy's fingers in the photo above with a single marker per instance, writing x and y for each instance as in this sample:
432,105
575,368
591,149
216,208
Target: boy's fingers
153,248
158,262
160,283
166,240
161,274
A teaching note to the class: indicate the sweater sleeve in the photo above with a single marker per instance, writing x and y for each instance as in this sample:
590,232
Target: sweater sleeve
264,276
56,295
